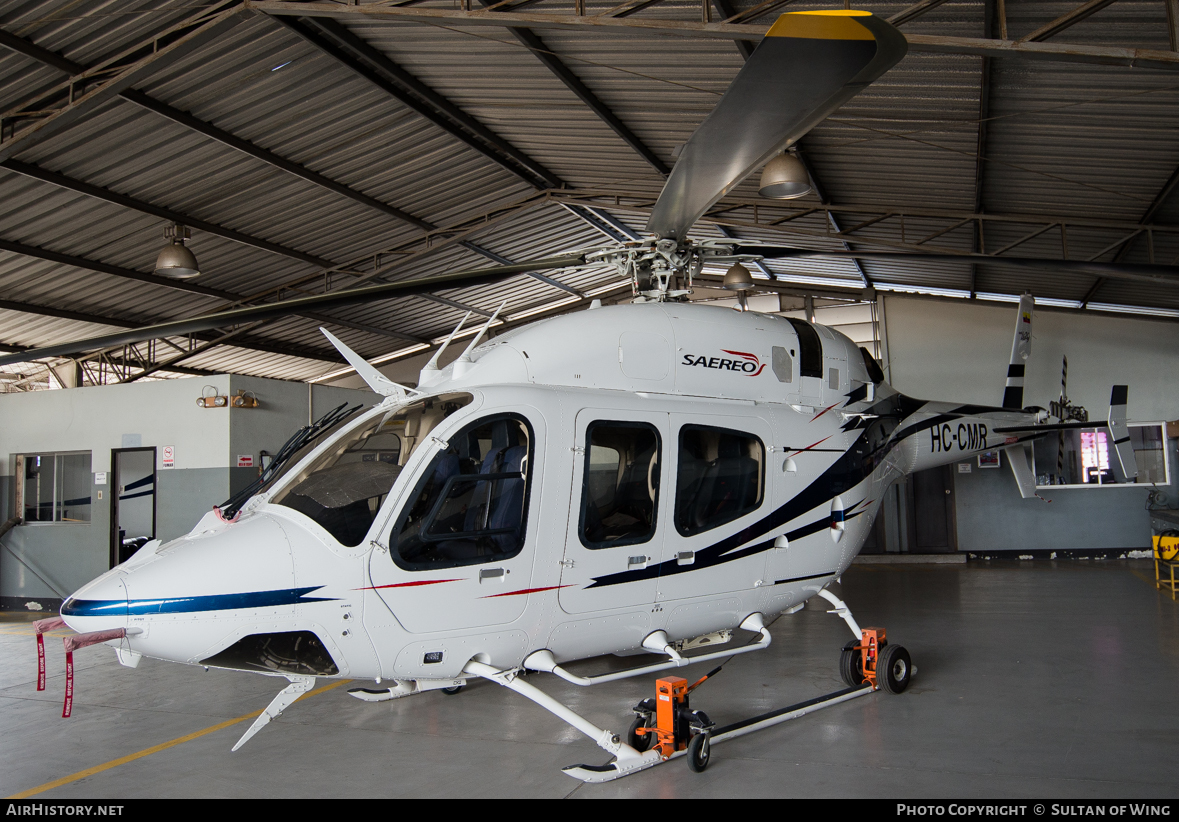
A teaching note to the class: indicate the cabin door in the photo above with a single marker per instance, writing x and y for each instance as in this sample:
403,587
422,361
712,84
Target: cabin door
614,539
720,490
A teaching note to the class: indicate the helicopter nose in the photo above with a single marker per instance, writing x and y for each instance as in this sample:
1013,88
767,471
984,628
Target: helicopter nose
99,605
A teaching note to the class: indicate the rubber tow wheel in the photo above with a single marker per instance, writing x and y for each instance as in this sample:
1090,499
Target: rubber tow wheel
640,742
452,690
851,665
894,669
699,752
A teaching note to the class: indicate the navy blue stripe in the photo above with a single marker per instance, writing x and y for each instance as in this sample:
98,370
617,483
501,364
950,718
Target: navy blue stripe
188,605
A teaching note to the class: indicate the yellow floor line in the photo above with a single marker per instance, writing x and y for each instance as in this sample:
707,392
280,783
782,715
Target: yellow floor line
123,760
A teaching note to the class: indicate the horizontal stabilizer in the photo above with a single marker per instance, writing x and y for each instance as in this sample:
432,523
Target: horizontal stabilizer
1119,432
1019,457
1051,426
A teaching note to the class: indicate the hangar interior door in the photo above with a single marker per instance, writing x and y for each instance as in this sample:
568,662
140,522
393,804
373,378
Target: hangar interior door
133,501
931,511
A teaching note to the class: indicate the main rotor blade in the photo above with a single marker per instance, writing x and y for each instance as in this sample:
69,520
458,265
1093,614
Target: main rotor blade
808,65
236,316
1140,272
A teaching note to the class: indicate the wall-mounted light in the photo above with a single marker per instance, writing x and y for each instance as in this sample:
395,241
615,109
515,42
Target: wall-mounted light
176,261
209,398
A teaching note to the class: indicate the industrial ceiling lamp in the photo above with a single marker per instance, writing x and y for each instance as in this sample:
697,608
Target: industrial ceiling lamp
784,178
176,262
740,280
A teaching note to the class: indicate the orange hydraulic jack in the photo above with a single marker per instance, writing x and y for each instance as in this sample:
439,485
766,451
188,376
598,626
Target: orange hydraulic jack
869,647
676,726
874,661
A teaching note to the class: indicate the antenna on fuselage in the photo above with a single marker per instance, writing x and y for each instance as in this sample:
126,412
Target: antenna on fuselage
463,361
466,355
432,366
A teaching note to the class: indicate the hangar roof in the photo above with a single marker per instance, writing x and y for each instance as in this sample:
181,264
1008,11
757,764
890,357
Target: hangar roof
312,146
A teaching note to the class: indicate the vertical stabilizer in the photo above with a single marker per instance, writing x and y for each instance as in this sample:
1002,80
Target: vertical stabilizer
1119,432
1019,457
1021,348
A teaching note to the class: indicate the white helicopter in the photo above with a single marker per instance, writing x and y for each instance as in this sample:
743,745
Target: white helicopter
643,477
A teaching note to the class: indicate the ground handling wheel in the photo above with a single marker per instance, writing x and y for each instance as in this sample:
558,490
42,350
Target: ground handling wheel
644,713
640,742
851,665
451,691
699,752
894,669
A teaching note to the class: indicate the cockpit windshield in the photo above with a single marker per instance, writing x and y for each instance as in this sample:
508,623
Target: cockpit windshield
343,488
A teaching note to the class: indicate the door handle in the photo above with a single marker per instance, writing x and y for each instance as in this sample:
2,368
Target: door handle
492,575
685,558
634,563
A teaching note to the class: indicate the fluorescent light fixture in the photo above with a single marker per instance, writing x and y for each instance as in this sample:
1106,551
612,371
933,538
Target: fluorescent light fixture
1134,309
282,65
603,289
1055,303
543,308
923,289
998,298
466,332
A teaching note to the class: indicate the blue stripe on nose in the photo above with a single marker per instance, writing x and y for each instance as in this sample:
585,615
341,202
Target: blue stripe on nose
188,605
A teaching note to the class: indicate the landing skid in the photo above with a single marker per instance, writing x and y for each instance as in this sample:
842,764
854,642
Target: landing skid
611,771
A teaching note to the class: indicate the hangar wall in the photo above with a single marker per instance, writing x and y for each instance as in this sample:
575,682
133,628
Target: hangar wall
207,443
947,349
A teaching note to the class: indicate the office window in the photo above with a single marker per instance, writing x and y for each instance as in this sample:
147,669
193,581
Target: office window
56,487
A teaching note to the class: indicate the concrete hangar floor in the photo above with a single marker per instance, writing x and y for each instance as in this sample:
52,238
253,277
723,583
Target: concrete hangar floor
1036,679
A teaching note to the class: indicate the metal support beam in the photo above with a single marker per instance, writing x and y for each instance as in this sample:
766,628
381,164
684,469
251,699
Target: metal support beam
980,147
180,285
187,120
1065,21
545,55
350,51
250,343
1155,204
914,11
821,193
99,193
192,123
930,43
609,225
1173,23
120,73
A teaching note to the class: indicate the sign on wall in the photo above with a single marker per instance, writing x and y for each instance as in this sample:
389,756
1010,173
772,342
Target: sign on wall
168,459
245,460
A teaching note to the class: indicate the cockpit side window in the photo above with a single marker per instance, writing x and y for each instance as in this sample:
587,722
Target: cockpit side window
471,504
344,487
810,349
721,477
620,490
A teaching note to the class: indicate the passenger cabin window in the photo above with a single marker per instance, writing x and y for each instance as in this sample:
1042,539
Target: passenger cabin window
344,487
471,504
810,349
621,487
720,478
